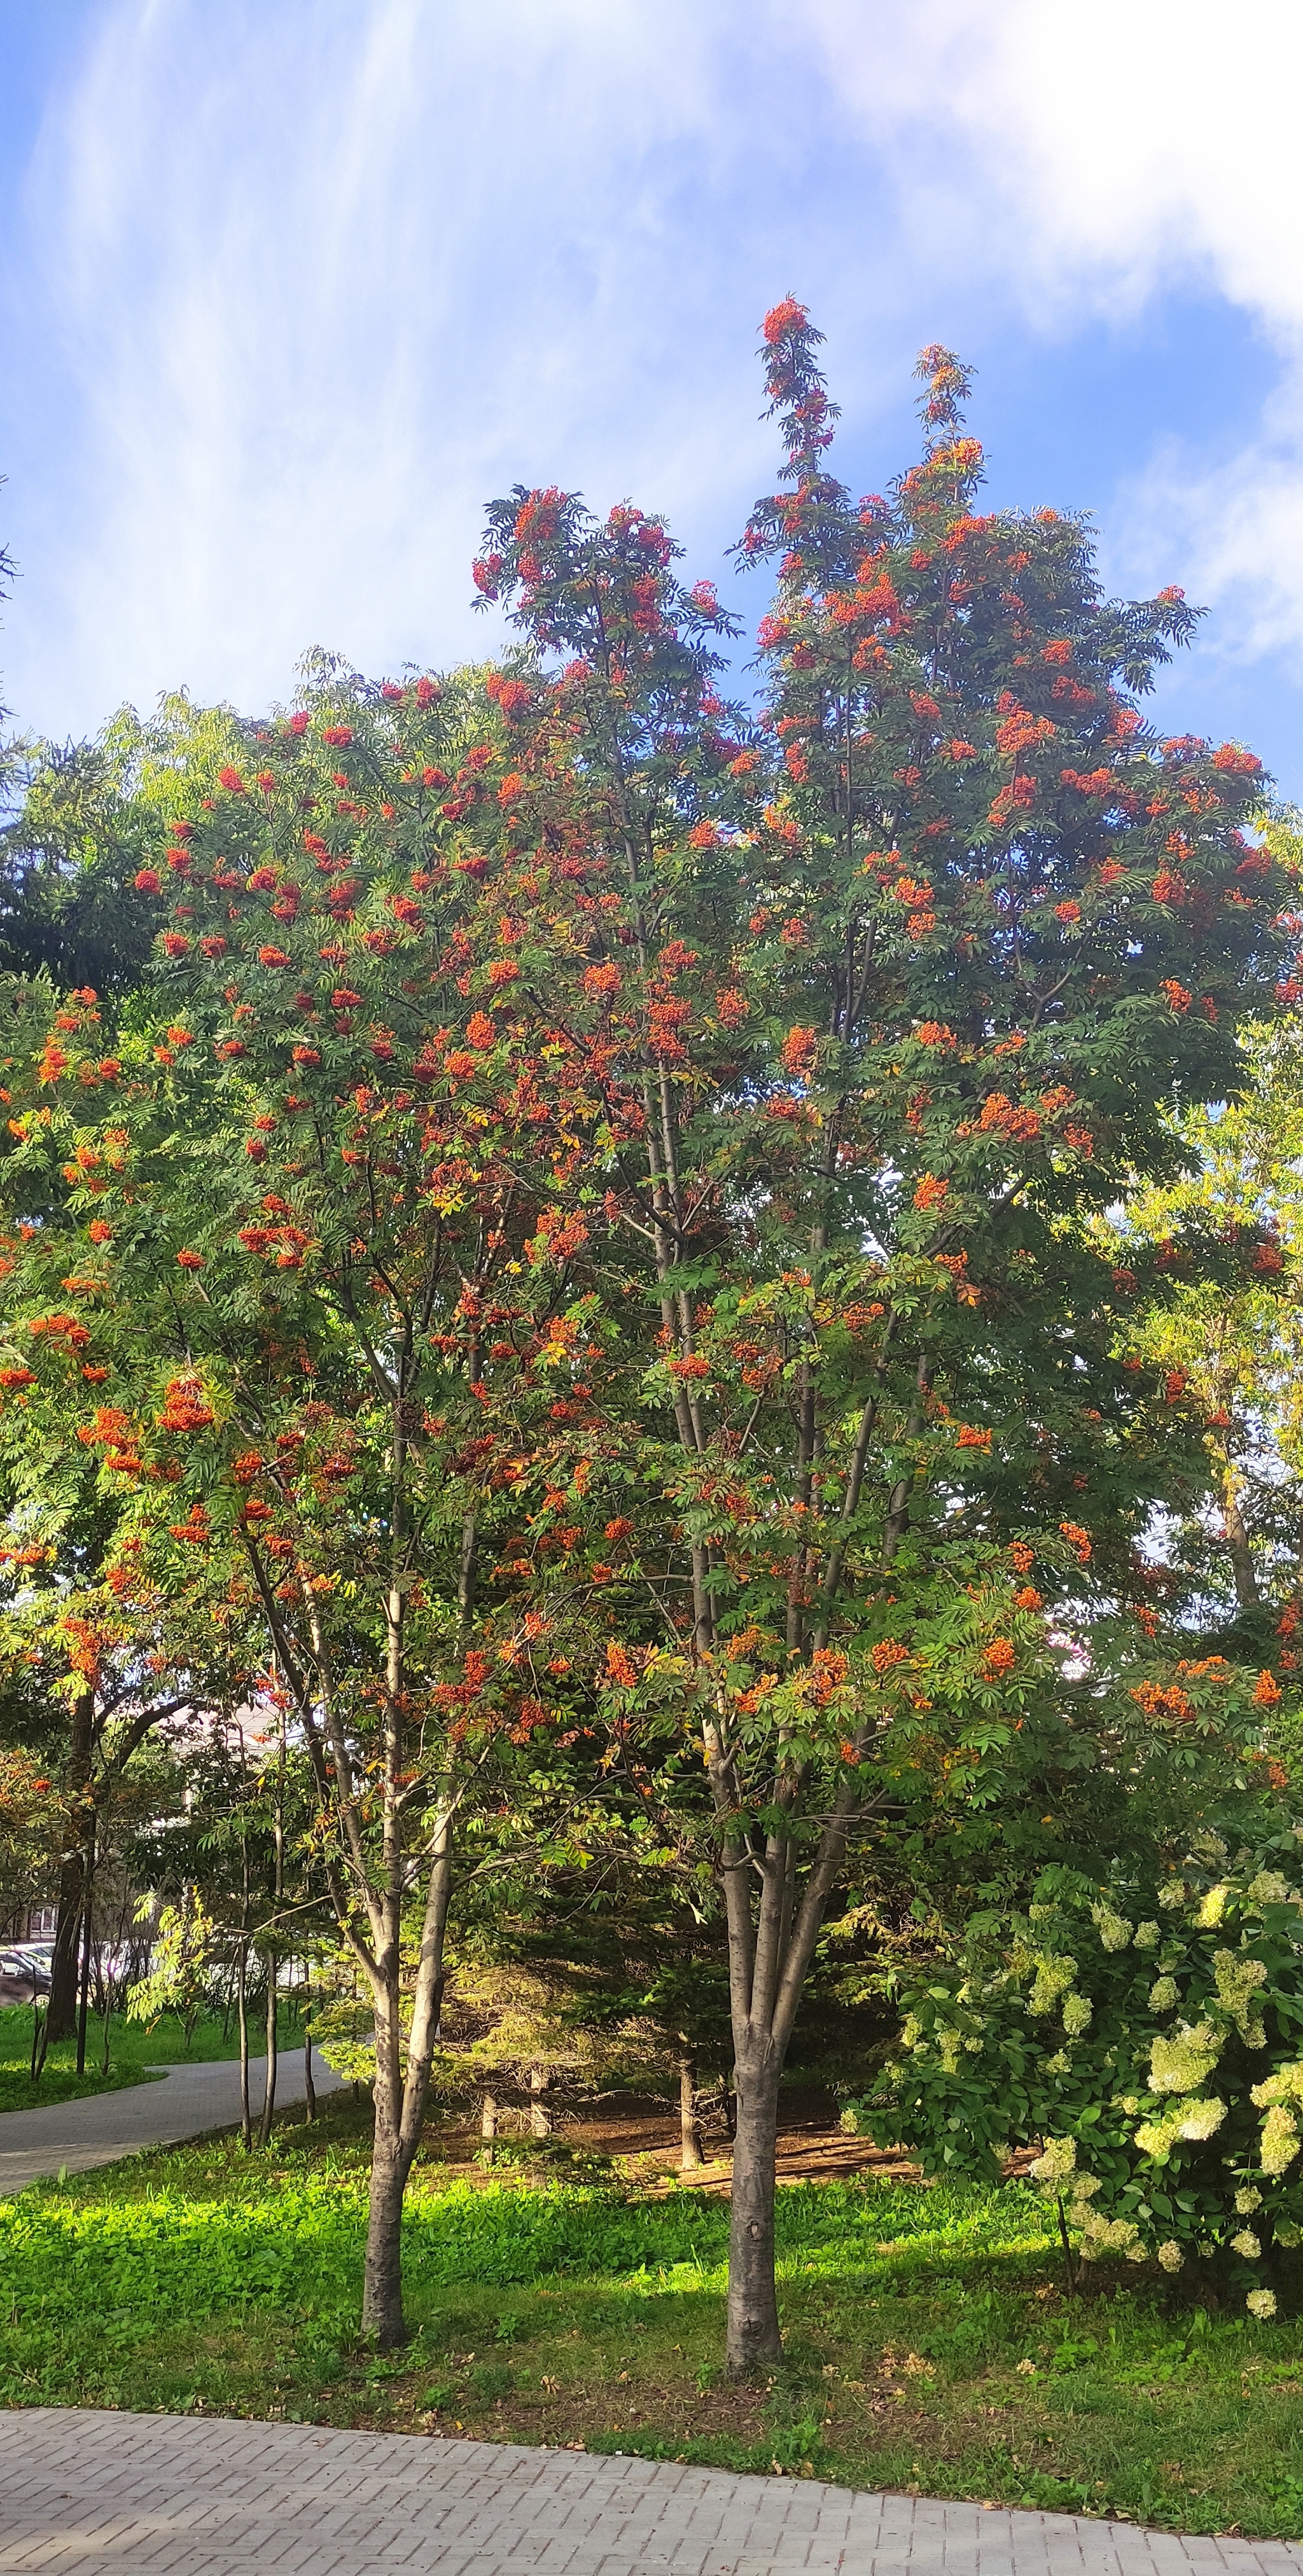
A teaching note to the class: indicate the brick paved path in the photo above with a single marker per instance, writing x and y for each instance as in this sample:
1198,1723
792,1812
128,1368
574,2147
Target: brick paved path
190,2100
172,2495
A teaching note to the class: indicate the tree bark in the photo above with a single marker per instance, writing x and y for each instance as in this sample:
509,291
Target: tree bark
242,2007
753,2336
399,2106
489,2122
61,2010
690,2157
1237,1540
391,2157
382,2279
540,2109
278,1894
269,2089
87,1908
309,2088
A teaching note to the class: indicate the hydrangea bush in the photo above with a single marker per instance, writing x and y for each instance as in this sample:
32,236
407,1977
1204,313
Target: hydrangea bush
1148,2038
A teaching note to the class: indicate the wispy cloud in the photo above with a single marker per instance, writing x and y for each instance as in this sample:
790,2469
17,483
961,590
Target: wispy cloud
301,286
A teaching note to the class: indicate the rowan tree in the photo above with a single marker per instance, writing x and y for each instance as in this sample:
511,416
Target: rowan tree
314,1274
936,975
597,1206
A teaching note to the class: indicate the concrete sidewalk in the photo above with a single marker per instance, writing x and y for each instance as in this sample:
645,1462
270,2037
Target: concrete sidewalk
171,2495
188,2101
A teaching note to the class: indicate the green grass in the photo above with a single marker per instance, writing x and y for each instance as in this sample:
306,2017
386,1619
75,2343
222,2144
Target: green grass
930,2340
132,2049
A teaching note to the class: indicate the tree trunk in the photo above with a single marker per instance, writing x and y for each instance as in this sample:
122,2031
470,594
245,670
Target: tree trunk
489,2123
88,1901
61,2010
753,2337
391,2158
269,2090
278,1893
1237,1540
309,2088
690,2157
242,2009
382,2279
540,2113
400,2107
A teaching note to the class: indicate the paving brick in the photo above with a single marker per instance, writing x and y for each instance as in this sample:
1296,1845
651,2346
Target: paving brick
121,2495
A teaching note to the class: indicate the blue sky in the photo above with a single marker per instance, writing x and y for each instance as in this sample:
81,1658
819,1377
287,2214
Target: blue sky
291,286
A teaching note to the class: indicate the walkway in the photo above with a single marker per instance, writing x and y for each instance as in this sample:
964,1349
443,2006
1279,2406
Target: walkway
169,2495
189,2101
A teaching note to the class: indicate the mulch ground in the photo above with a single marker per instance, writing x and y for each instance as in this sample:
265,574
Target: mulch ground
640,2135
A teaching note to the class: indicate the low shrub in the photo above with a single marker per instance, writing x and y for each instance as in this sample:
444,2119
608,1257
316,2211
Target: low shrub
1148,2037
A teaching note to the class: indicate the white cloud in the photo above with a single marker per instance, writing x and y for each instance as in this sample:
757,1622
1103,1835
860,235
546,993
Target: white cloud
1103,152
319,301
301,286
1110,156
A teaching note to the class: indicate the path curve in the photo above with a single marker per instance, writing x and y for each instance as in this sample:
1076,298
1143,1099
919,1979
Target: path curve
91,2494
96,2131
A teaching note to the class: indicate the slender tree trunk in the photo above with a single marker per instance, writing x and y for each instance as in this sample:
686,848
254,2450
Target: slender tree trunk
753,2336
399,2106
540,2109
83,1999
382,2290
690,2158
269,2089
242,2018
309,2088
1237,1541
61,2010
278,1894
242,1990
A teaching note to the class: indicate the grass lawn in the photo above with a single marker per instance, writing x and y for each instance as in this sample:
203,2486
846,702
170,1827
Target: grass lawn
132,2048
930,2340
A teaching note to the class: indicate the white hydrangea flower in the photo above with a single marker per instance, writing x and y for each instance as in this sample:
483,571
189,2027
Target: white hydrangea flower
1102,2235
1210,1911
1202,2119
1287,2235
1280,2139
1057,2159
1247,2200
1286,2085
1158,2137
1269,1888
911,2031
1238,1980
1147,1936
948,2045
1185,2061
1247,2244
1172,1895
1059,2064
1164,1994
1078,2014
1191,2120
1261,2303
1053,1977
1113,1929
1170,2255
